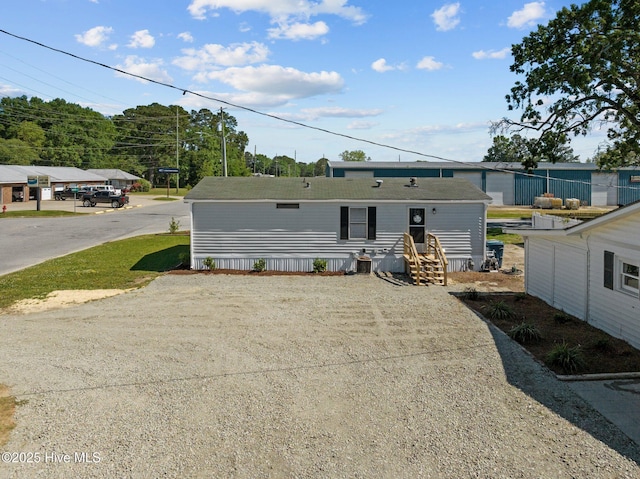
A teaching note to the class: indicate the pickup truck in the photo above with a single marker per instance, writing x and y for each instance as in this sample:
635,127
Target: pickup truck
116,201
67,193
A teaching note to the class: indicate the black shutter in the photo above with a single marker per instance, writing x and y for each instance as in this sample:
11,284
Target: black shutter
608,269
344,222
371,223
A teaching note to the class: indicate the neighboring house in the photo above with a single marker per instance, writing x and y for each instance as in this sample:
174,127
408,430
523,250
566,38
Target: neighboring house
118,178
590,270
14,185
292,221
509,183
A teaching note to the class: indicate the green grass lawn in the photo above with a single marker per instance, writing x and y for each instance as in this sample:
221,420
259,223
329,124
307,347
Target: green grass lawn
123,264
506,238
34,213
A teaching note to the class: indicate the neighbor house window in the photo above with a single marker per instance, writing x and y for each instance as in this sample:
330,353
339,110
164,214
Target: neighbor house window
629,277
358,222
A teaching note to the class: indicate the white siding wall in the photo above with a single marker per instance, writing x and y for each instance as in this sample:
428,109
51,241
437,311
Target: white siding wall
613,311
556,272
501,188
568,273
235,235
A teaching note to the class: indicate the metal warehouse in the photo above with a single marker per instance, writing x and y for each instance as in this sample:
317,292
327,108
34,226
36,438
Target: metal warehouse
510,183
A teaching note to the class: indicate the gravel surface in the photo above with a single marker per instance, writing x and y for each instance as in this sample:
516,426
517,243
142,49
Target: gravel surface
290,376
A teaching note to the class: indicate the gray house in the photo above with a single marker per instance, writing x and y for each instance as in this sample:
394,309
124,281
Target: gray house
590,270
292,221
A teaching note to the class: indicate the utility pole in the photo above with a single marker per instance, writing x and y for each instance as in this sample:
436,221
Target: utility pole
224,144
177,153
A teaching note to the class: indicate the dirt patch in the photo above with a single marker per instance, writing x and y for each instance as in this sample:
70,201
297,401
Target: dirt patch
7,409
61,299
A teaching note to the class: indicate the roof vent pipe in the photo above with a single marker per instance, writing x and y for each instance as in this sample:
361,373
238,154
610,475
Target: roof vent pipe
379,183
308,185
413,181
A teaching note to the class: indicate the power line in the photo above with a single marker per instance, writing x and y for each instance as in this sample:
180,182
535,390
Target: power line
285,120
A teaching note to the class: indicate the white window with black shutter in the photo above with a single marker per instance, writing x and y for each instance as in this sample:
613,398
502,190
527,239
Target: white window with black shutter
621,274
357,222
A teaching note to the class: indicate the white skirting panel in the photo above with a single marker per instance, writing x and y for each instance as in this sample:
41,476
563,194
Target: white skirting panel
379,263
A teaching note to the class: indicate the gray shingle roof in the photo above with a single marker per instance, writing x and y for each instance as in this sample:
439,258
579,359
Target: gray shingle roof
325,189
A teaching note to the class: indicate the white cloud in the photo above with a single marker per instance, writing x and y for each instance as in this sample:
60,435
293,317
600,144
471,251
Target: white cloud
491,54
381,66
299,31
213,55
361,125
280,81
246,99
446,17
311,114
186,37
528,16
142,39
95,37
11,91
429,63
281,10
138,66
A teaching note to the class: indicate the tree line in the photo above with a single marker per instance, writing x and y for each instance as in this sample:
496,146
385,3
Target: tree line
139,141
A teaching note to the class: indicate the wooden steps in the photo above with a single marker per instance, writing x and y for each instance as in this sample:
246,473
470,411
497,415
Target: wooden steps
430,267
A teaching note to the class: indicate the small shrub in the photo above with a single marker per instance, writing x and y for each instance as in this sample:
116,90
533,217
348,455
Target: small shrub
603,345
561,317
319,265
209,263
499,310
174,226
184,259
260,265
569,359
525,333
520,296
471,294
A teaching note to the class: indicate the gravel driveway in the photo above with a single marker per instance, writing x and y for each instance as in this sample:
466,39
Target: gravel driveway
290,376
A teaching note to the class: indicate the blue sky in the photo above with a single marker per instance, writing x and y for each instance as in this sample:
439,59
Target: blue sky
424,76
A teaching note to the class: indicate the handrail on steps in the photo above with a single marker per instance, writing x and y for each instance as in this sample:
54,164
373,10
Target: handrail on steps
409,251
435,248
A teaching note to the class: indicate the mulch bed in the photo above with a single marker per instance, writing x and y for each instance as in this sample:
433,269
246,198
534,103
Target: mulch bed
601,352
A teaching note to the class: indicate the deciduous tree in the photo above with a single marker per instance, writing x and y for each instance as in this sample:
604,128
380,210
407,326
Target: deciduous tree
580,71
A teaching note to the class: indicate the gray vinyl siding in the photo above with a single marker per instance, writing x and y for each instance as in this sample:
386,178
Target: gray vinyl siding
236,234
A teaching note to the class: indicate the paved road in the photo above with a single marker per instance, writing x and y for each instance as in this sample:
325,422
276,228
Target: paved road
28,241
